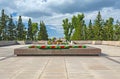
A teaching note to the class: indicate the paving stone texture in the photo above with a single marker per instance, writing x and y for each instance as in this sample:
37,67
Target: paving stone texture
106,66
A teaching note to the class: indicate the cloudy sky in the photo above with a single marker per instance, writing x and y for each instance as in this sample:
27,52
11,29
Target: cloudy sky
52,12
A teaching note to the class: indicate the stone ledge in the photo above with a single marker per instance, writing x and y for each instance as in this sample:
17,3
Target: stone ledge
72,51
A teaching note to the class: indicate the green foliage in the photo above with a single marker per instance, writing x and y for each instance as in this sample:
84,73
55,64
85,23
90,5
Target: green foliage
2,23
116,35
98,27
29,33
42,35
108,28
78,24
68,28
11,30
90,32
21,33
99,30
85,32
3,26
75,30
34,30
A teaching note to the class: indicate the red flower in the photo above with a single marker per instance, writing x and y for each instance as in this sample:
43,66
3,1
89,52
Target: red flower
32,46
80,46
62,46
43,47
52,47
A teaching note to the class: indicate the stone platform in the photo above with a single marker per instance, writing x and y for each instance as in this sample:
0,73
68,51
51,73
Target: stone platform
24,51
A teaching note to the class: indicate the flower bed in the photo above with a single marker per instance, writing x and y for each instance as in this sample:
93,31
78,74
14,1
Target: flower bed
56,47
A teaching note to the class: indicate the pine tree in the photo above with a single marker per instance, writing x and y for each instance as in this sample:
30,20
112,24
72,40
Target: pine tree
11,29
108,28
98,27
90,35
29,33
68,28
42,35
3,26
20,30
85,32
117,31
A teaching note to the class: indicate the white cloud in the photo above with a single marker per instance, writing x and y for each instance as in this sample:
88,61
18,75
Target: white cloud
24,18
105,12
52,12
110,12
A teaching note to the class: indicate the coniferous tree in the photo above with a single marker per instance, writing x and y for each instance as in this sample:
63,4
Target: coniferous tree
98,27
3,26
5,31
76,29
117,31
108,28
90,35
20,30
24,33
85,33
42,35
29,33
11,29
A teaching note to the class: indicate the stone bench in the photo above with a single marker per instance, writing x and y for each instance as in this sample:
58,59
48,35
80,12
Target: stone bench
72,51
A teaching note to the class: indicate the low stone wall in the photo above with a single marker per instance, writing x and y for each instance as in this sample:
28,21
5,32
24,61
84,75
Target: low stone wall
83,42
31,42
28,42
97,42
5,43
21,42
113,43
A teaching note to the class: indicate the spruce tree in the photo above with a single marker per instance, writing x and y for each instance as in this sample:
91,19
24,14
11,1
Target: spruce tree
117,31
85,32
11,29
29,33
110,24
98,27
20,30
90,31
42,35
109,29
3,26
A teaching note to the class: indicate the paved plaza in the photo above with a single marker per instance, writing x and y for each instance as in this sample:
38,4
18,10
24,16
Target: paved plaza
106,66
